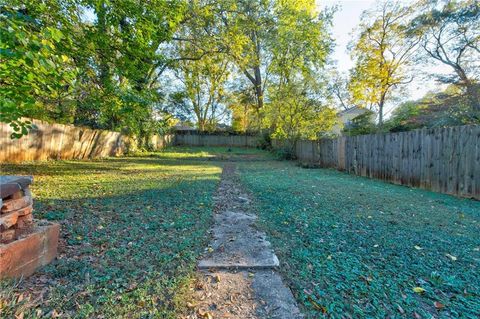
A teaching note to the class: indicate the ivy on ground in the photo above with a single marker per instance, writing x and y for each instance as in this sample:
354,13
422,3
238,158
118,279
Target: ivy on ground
351,247
131,231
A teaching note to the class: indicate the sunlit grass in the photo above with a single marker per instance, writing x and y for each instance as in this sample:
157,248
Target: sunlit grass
131,230
206,152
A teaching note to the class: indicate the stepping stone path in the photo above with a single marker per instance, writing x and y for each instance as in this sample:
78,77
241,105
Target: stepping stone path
237,275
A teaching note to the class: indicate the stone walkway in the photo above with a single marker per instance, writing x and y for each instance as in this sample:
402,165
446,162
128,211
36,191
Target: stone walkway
237,277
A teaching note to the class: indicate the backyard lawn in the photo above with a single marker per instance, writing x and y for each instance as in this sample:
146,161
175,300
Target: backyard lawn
132,229
349,247
354,247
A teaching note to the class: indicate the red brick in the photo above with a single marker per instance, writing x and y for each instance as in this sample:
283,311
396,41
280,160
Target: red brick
23,256
24,221
24,211
8,220
7,236
15,204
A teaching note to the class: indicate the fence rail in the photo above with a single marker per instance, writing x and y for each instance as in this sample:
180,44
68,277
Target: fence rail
445,160
58,141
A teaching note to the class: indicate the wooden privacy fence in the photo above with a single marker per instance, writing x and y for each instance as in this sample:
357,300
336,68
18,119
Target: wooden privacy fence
216,140
57,141
445,160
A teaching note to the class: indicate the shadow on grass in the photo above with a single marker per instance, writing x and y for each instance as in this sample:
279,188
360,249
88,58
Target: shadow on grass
128,255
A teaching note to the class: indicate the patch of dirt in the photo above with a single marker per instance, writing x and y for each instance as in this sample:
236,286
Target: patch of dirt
223,294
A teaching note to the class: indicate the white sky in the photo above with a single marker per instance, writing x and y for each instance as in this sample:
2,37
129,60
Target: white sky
345,19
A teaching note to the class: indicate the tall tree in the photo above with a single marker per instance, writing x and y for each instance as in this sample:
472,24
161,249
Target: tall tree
247,28
450,34
299,55
87,62
122,61
204,89
382,52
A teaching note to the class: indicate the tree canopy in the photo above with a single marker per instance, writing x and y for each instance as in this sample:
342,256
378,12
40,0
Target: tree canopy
138,67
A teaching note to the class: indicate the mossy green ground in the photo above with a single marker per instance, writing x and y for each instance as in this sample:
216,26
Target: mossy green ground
350,247
133,227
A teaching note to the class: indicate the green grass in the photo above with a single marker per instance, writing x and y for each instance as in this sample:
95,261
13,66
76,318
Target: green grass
211,153
131,231
351,247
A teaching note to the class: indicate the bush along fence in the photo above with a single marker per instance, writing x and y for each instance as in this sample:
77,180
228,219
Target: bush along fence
445,160
57,141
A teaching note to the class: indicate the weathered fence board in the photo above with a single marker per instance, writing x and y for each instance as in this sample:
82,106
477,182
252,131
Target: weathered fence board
445,160
57,141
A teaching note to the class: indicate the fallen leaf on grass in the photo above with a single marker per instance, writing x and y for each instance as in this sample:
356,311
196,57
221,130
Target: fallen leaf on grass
316,305
438,305
451,257
418,290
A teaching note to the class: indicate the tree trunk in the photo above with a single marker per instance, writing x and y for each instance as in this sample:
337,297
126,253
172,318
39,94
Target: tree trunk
473,93
201,125
380,111
258,88
257,72
102,31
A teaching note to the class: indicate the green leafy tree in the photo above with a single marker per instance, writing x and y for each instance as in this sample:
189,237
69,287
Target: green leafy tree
293,114
243,107
296,109
90,62
447,108
35,72
122,60
383,54
204,88
245,34
360,125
